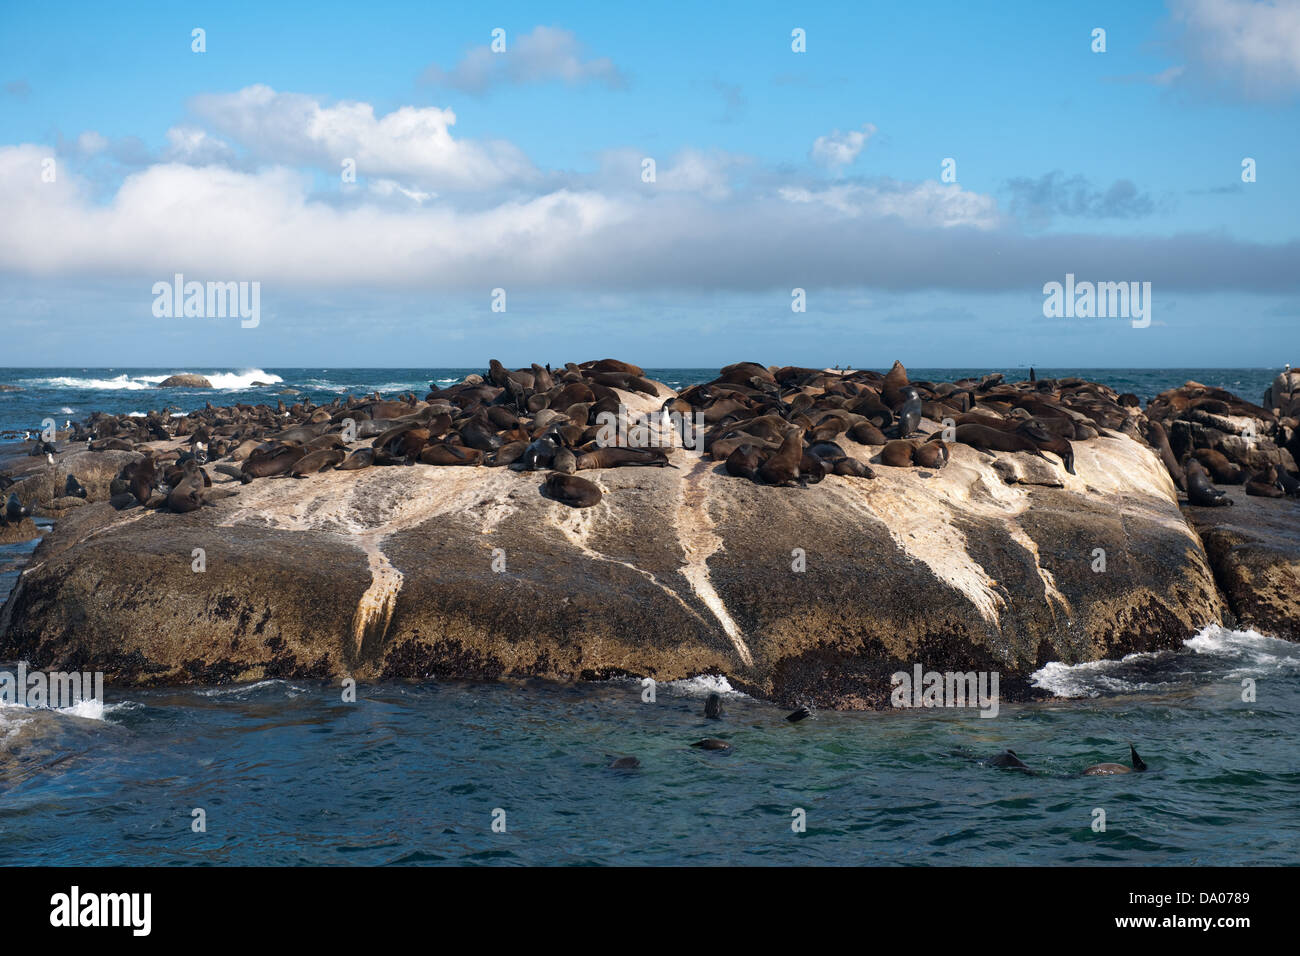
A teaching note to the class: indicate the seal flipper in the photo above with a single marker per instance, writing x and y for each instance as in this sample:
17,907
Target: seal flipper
1138,764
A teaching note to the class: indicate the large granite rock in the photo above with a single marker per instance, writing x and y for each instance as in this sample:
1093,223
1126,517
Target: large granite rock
428,572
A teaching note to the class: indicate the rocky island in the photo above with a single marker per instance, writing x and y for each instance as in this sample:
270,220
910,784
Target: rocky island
825,531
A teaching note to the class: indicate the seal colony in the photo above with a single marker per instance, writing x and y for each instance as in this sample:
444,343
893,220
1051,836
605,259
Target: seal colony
785,426
512,524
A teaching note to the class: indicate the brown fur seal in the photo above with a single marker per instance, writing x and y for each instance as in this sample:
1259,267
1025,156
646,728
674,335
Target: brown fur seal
1199,490
1158,439
931,454
712,743
852,468
1263,484
782,467
276,461
565,462
361,458
187,494
143,478
993,439
1221,470
744,463
895,381
444,454
865,433
612,457
898,453
322,460
572,490
1107,769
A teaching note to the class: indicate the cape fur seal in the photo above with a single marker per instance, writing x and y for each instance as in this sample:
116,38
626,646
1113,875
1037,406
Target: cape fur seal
898,453
1007,760
1107,769
712,743
1199,490
572,490
1263,484
782,467
321,460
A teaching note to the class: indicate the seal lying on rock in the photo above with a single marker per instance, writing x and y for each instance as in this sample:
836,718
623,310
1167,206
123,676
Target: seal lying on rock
572,490
1200,491
1263,484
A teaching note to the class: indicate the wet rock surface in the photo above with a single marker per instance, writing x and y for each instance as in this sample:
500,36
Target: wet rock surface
1254,550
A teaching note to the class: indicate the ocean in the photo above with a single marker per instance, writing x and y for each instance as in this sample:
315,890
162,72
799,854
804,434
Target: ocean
287,773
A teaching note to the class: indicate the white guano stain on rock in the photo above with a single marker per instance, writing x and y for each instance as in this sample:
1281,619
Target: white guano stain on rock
699,542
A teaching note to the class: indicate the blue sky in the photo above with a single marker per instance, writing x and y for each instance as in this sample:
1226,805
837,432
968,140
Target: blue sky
775,170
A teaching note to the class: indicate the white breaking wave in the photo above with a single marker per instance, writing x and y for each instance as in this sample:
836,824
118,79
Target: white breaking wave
704,685
227,381
1239,653
121,383
1094,678
1252,651
238,381
85,709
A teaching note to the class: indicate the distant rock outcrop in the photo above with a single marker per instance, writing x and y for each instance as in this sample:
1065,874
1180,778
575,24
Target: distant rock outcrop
185,380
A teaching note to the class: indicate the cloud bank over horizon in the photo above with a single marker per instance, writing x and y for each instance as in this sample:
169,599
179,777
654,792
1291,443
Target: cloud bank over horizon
313,194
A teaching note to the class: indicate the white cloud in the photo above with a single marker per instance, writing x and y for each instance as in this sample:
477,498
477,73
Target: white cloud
1251,47
411,144
548,53
189,144
839,149
923,205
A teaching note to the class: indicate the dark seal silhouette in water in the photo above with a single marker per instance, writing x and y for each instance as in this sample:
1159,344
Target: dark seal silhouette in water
713,707
1007,760
712,743
625,763
803,713
1107,769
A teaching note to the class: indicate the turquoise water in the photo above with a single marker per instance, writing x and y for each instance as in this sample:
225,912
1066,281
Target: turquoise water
287,773
411,773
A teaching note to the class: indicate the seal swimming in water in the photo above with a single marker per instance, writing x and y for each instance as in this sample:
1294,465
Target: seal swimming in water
625,763
803,713
713,707
1107,769
712,743
1007,760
